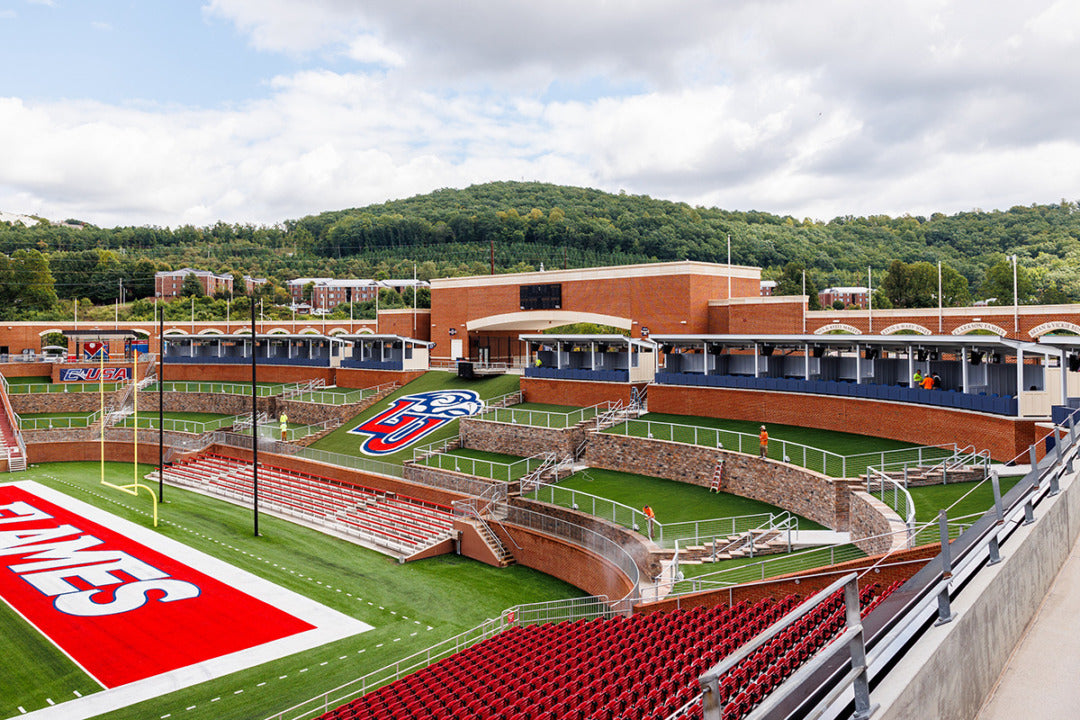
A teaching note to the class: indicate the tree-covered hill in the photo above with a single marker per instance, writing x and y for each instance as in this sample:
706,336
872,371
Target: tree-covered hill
526,224
539,218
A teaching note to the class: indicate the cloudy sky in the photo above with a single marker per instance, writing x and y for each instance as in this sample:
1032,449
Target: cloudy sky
165,112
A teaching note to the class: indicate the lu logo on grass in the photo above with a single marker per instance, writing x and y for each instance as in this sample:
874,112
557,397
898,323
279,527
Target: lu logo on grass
413,417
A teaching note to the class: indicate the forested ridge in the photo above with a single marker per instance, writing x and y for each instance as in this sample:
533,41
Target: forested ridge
454,232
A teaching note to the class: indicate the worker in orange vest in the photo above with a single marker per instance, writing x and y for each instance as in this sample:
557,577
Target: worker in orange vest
763,442
651,516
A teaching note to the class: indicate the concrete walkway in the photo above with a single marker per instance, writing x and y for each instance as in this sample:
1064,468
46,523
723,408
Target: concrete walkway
1040,679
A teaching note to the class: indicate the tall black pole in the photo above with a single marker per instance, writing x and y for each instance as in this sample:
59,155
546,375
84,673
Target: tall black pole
254,422
161,407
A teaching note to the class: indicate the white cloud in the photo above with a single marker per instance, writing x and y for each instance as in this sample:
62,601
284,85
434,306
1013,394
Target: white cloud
810,108
369,49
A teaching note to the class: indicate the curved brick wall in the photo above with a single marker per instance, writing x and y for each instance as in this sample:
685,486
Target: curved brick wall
566,561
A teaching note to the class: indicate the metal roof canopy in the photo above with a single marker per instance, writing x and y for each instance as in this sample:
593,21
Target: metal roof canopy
364,337
1067,343
247,336
884,342
646,345
101,334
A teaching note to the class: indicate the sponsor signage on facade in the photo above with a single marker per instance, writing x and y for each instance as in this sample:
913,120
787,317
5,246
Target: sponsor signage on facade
94,374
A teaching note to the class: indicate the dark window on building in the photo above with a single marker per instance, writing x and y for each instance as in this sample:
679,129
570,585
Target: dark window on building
541,297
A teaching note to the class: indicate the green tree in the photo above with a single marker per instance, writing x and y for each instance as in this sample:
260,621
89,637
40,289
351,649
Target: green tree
140,283
997,284
30,275
192,287
790,282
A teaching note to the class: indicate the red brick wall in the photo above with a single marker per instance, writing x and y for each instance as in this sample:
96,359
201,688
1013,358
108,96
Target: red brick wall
21,369
91,450
900,566
357,378
674,303
401,323
573,392
178,372
1004,437
567,562
781,318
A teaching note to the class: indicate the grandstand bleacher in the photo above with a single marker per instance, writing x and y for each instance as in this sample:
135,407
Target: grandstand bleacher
642,666
396,524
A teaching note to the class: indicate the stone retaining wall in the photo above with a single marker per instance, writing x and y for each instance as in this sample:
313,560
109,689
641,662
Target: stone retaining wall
810,494
875,527
449,480
74,402
523,440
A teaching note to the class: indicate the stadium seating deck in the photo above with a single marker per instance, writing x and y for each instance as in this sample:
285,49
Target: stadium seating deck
643,666
992,404
393,522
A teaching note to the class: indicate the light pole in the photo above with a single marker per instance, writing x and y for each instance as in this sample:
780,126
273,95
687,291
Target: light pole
1016,300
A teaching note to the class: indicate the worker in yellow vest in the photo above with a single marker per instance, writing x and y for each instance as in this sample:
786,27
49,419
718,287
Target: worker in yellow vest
284,420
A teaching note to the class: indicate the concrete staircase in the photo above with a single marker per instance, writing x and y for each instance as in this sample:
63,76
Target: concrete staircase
935,475
497,547
765,542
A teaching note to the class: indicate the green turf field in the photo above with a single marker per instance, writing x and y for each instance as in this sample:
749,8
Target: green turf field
931,498
837,454
29,380
347,443
262,389
672,502
496,466
744,570
539,415
46,385
49,421
411,606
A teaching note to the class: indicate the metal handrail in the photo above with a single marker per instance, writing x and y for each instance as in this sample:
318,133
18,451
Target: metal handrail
831,464
506,472
966,555
902,501
582,608
224,388
851,640
340,397
550,419
664,534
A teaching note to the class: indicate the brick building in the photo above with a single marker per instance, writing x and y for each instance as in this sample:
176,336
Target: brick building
481,317
170,283
851,296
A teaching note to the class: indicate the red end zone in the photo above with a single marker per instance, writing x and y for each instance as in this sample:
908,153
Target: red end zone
122,611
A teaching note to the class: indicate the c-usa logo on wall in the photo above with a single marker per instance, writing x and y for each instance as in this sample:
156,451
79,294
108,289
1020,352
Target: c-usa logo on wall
412,417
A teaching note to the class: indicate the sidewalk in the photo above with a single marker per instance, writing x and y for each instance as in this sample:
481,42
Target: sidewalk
1040,679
